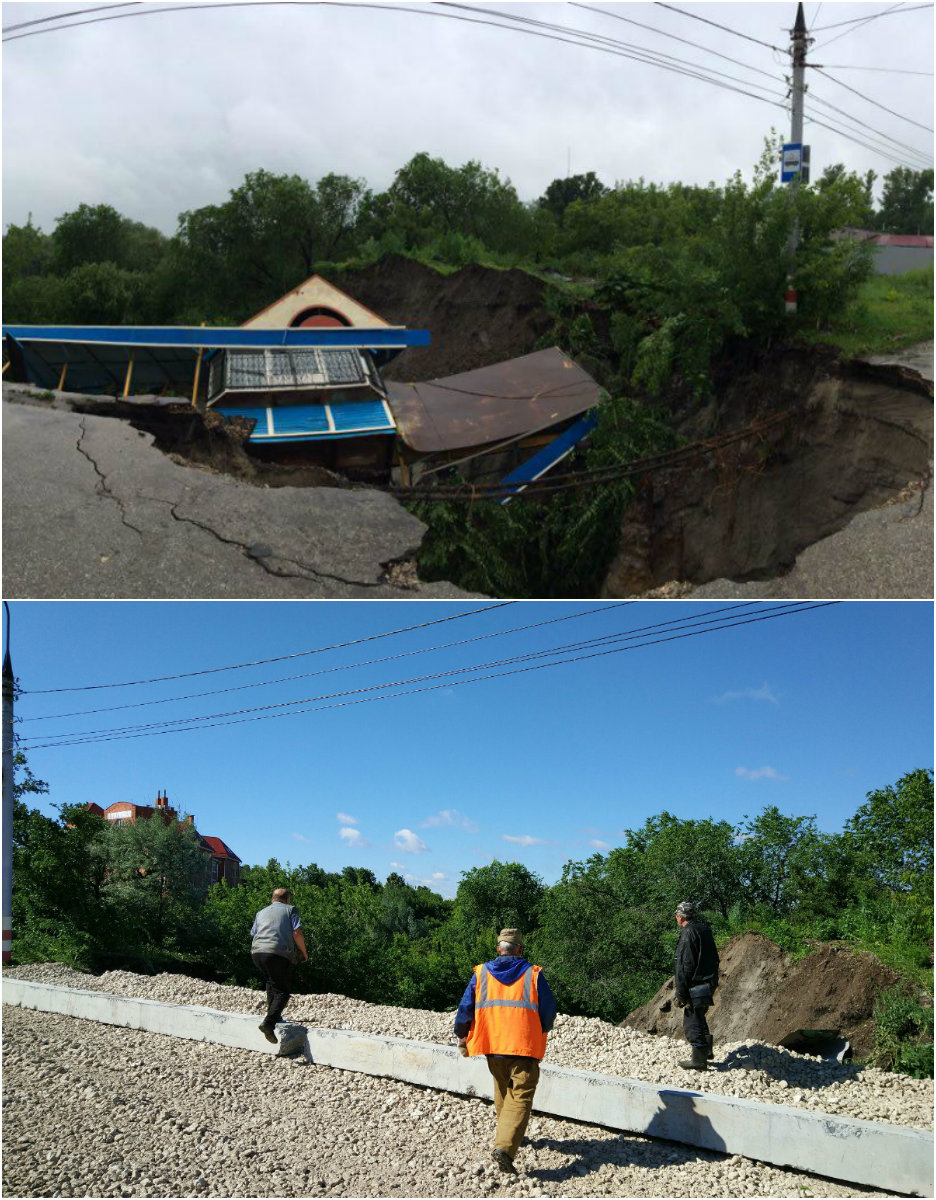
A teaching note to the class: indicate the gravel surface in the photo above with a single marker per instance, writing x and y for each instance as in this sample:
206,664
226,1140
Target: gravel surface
91,1109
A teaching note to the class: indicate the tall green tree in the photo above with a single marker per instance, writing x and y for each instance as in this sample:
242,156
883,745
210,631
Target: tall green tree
907,202
892,833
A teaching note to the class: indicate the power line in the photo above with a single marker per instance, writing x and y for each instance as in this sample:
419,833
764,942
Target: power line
331,670
726,28
642,57
263,661
855,92
569,647
888,70
78,12
450,683
887,12
887,138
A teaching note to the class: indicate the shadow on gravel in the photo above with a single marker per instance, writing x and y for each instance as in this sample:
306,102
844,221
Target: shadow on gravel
626,1150
778,1064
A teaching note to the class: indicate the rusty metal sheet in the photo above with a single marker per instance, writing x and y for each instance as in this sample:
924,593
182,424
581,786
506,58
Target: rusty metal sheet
492,404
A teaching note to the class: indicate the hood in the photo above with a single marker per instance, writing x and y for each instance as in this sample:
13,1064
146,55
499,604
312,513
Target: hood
507,968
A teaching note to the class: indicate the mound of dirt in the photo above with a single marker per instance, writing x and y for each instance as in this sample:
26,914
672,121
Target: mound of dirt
476,316
763,996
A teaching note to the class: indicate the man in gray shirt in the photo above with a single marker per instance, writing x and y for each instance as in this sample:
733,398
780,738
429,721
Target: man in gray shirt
276,937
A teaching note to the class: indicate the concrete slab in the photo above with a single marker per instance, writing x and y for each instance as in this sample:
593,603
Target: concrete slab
175,1020
893,1157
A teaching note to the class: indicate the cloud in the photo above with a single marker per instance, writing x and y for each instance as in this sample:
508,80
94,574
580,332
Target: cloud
300,837
760,773
439,875
449,817
598,844
761,693
408,842
525,840
345,819
351,836
398,866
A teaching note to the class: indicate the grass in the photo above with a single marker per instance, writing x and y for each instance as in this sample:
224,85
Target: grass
889,313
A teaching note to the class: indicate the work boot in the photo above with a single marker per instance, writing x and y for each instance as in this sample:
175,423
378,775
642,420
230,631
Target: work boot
711,1047
504,1161
267,1031
698,1062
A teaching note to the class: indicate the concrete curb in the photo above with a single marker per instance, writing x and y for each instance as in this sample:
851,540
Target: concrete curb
894,1157
175,1020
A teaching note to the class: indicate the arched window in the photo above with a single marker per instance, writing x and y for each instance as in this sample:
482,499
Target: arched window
319,318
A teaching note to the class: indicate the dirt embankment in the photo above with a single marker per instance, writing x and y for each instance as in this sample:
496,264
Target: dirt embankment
764,996
476,316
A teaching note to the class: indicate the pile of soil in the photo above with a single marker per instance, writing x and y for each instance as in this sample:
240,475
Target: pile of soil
763,996
476,316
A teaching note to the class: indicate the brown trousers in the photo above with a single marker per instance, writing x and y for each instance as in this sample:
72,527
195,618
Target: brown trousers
515,1080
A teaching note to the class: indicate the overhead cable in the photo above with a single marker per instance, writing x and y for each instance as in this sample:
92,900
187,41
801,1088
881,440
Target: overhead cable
92,687
868,99
450,683
887,12
243,687
726,28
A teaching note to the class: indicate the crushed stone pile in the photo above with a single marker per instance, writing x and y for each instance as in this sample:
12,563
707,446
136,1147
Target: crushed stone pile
97,1110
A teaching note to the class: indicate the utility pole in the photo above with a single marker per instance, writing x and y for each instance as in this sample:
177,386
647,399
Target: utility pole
9,688
798,153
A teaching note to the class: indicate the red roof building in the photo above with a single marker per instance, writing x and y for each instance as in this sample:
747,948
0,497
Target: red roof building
225,864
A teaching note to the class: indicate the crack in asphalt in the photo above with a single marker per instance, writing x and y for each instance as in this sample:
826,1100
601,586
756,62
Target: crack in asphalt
101,487
303,571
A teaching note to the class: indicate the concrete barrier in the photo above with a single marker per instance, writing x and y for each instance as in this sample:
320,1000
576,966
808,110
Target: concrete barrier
894,1157
176,1020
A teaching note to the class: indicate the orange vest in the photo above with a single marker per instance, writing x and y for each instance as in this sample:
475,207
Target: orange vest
506,1019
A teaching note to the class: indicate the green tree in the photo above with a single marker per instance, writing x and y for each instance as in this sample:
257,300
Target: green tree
157,876
780,854
907,202
892,834
562,192
497,896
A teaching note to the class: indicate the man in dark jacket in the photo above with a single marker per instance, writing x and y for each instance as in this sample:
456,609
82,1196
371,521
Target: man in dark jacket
276,939
696,978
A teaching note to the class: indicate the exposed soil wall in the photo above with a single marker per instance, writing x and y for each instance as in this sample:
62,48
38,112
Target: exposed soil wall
477,316
855,438
764,996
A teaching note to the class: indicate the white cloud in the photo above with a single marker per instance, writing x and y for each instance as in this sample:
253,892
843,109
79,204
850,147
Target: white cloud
351,836
760,773
398,866
345,819
525,840
408,842
300,837
439,875
598,844
449,817
762,693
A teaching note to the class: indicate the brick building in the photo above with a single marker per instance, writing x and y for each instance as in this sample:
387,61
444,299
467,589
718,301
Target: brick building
225,864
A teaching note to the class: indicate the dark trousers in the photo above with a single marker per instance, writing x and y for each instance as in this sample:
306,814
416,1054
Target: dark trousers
275,970
695,1026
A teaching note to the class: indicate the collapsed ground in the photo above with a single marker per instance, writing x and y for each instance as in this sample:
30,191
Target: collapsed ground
855,435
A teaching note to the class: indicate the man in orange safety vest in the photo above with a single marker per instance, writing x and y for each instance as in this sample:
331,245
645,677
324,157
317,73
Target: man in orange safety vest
505,1014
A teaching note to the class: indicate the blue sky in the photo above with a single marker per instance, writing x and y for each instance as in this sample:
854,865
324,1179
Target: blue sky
807,711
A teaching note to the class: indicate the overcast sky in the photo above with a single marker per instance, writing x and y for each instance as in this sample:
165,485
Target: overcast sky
159,113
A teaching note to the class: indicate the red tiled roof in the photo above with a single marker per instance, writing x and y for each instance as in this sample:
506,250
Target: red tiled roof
921,240
218,848
95,808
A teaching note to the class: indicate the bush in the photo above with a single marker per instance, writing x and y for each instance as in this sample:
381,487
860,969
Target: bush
903,1035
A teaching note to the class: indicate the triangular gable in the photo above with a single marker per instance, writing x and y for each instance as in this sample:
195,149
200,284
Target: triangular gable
316,292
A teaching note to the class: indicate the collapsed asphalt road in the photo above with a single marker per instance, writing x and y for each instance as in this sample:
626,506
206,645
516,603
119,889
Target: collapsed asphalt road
92,510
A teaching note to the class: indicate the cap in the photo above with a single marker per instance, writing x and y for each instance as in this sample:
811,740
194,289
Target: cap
686,909
514,936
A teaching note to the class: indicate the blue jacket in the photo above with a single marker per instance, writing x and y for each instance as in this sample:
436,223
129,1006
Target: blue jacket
507,969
